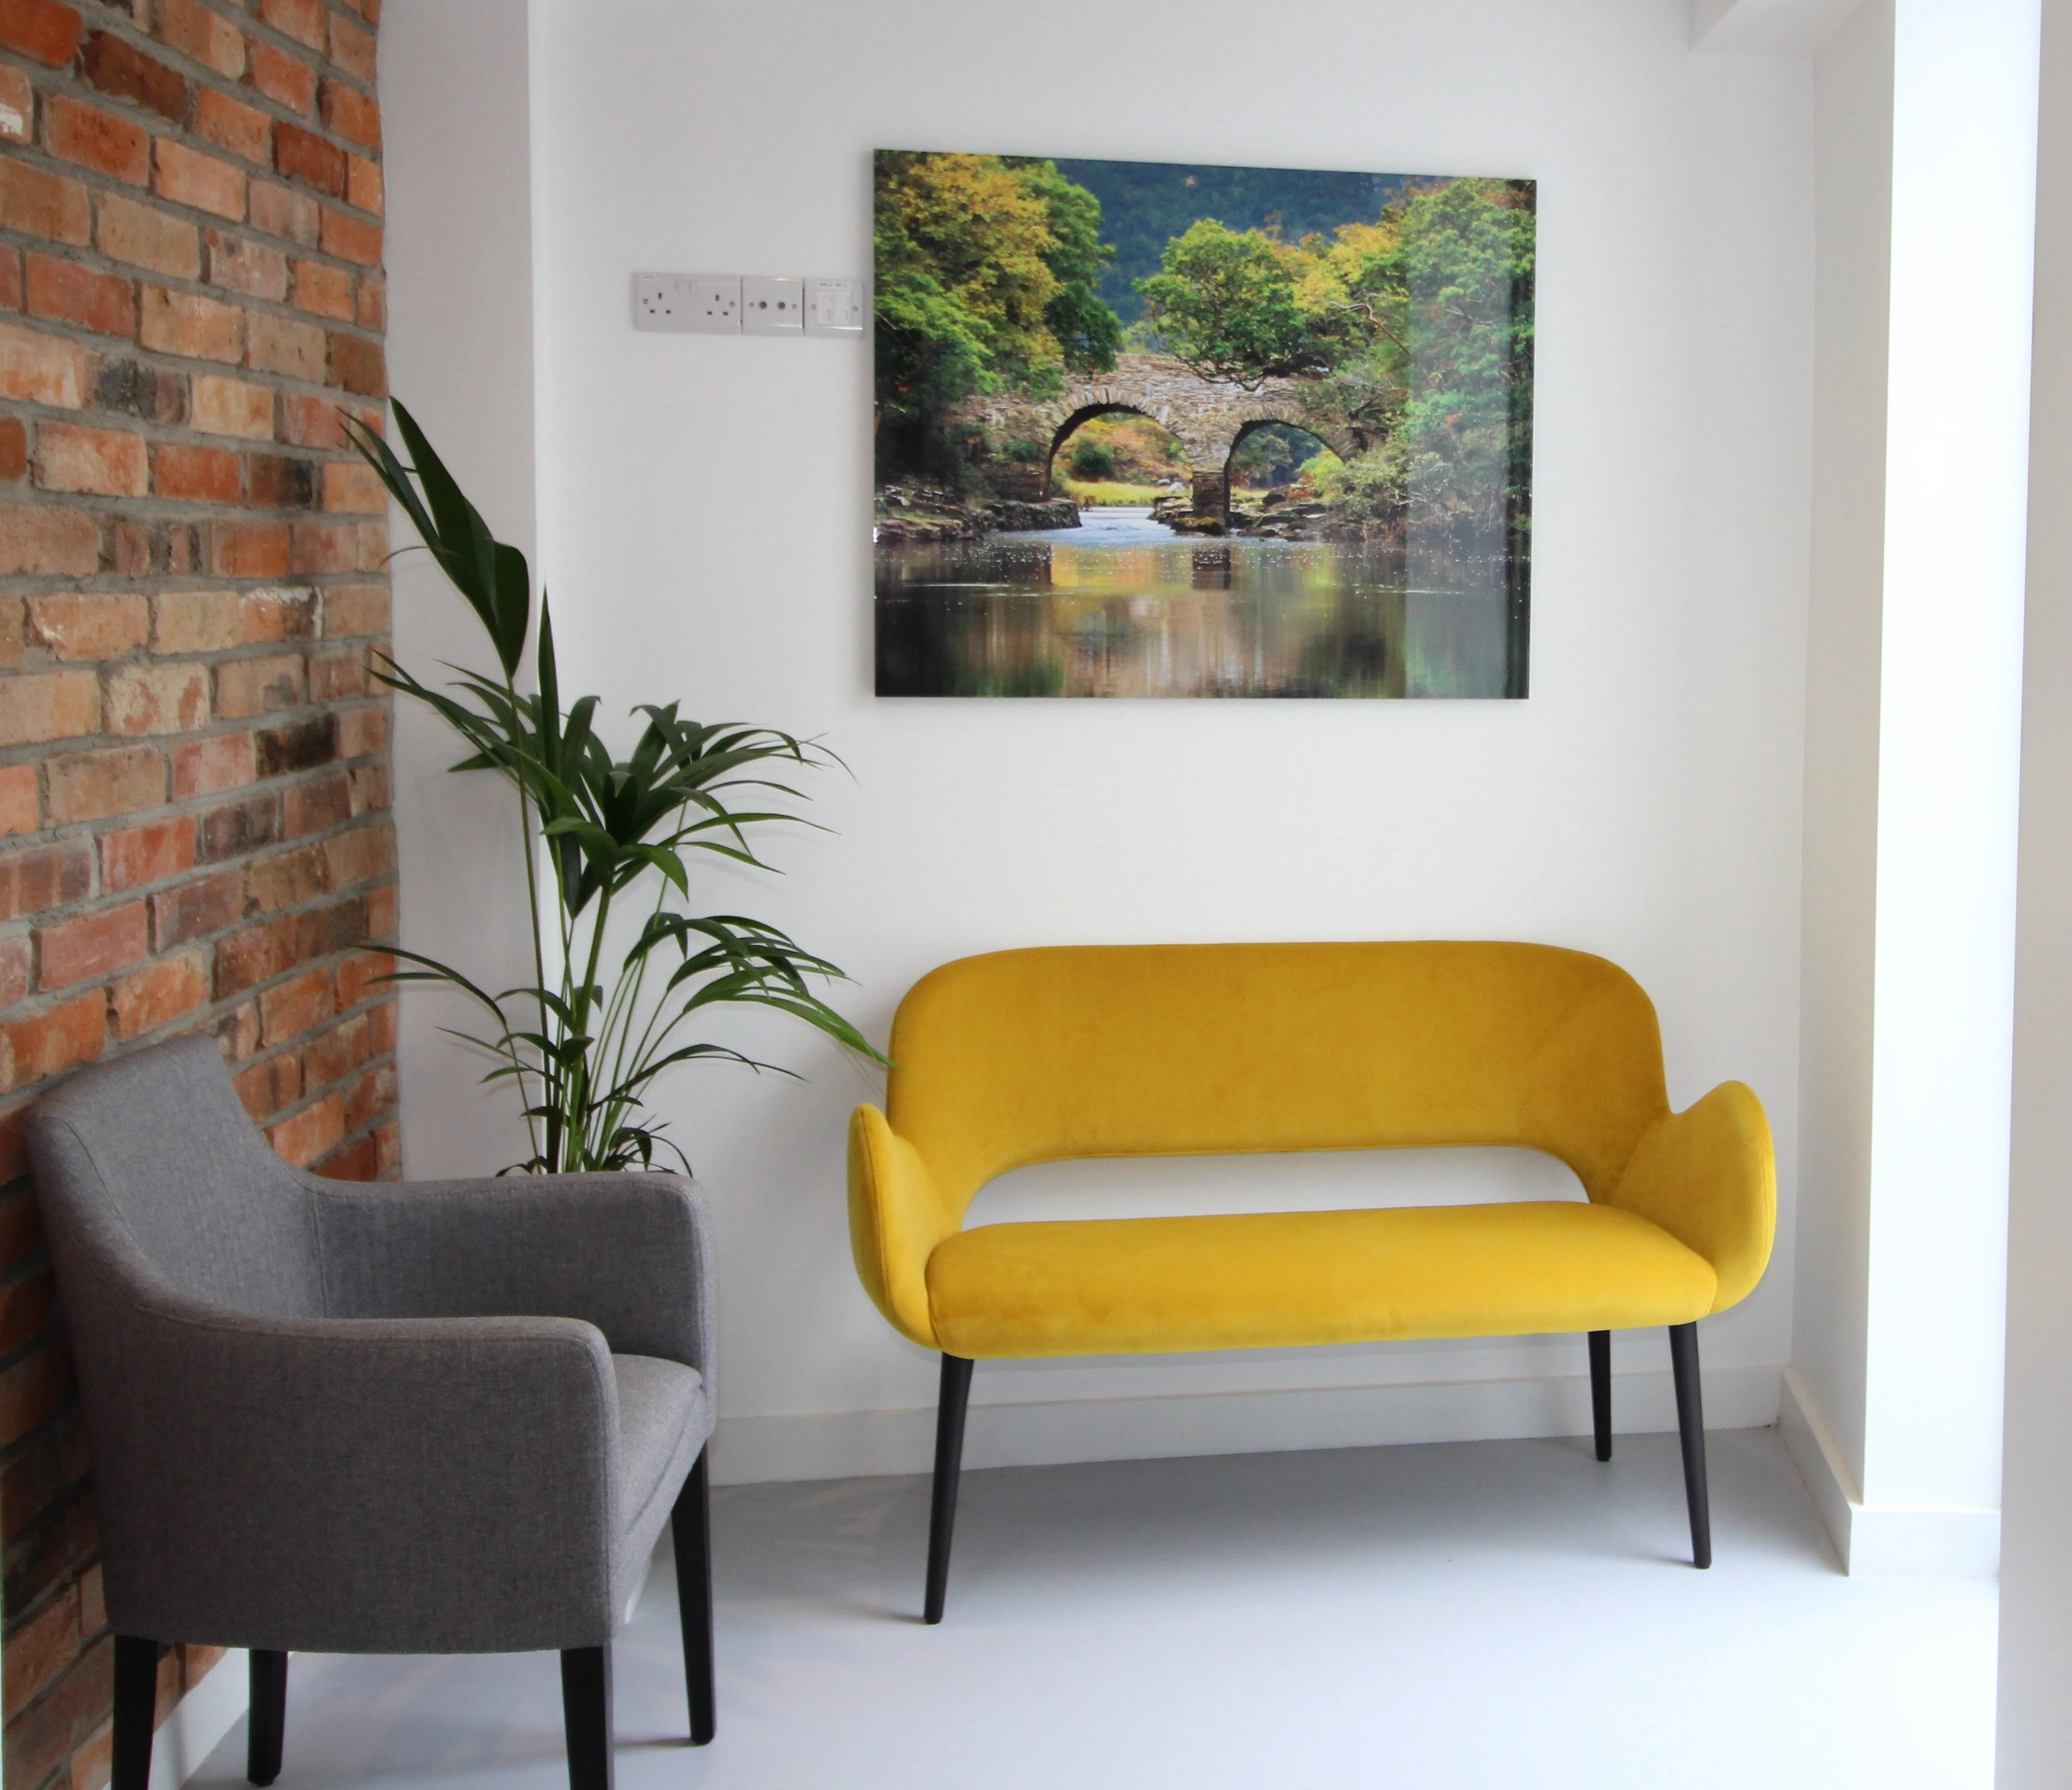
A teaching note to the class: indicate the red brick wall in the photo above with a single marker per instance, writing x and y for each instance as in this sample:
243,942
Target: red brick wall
193,773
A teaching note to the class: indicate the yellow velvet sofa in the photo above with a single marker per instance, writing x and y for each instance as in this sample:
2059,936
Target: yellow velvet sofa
1035,1056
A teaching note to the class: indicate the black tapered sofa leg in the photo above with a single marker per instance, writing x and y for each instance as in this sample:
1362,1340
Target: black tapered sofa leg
1600,1390
267,1727
949,1465
1691,1426
587,1715
690,1529
136,1702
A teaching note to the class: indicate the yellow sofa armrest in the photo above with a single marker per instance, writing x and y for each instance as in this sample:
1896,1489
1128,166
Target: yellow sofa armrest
896,1218
1707,1176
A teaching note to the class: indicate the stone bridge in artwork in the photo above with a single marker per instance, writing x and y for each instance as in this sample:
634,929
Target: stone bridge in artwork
1209,418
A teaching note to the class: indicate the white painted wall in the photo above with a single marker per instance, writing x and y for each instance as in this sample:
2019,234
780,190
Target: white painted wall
2035,1589
706,502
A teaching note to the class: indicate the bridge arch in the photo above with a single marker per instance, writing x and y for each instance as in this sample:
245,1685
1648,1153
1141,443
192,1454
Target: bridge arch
1086,413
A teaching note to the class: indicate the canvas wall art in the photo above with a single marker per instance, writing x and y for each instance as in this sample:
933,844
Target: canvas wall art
1156,429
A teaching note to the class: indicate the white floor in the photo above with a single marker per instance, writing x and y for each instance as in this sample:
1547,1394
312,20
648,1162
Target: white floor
1504,1614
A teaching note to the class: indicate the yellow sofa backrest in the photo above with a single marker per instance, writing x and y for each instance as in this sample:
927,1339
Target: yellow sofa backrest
1033,1056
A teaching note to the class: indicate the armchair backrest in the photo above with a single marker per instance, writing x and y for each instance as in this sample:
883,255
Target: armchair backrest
147,1169
1033,1056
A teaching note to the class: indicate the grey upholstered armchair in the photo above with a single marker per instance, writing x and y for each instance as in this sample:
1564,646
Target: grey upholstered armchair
446,1417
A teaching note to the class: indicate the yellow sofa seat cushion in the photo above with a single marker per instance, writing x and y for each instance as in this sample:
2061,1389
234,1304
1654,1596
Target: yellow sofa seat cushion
1274,1280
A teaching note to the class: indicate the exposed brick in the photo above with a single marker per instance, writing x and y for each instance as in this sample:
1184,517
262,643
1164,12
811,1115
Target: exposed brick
41,204
139,391
388,1147
303,20
195,474
117,66
144,236
17,976
313,1132
154,698
287,879
369,785
287,80
187,177
360,366
45,32
40,1648
39,877
374,546
98,140
275,482
244,130
283,211
301,746
282,612
94,945
270,1084
350,238
374,1093
302,155
362,731
130,549
195,622
280,345
132,857
42,369
49,705
238,828
336,926
314,806
57,1039
364,184
227,406
337,677
185,323
359,854
70,293
36,540
14,450
257,954
84,624
353,49
26,1308
350,113
14,629
357,1161
195,30
256,268
323,289
248,549
373,311
359,977
254,686
157,994
352,486
209,767
94,786
310,422
194,909
18,106
100,462
29,1394
20,807
320,546
294,1007
237,1033
10,262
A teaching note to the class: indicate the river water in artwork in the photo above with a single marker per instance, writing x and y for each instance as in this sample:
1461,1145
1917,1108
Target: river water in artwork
1123,606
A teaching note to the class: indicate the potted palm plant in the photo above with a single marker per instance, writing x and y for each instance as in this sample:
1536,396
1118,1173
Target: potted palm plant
616,996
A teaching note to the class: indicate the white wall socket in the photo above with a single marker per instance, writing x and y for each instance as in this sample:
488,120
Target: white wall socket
705,304
772,303
834,307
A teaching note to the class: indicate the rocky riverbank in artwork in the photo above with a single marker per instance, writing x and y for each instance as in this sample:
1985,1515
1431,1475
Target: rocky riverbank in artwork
923,513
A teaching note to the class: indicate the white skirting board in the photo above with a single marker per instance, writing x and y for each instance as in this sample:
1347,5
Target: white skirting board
200,1720
750,1451
1881,1541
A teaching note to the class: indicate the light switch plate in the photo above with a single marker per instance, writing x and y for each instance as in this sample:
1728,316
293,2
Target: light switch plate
834,307
704,304
771,304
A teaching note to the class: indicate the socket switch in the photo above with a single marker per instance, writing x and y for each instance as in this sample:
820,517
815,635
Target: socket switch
834,307
771,304
704,304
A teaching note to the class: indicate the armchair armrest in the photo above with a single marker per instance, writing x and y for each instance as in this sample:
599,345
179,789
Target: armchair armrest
896,1218
357,1485
630,1254
1708,1177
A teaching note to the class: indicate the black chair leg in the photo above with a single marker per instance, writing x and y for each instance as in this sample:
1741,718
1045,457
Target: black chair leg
690,1527
1691,1426
1600,1390
587,1715
136,1703
267,1724
949,1464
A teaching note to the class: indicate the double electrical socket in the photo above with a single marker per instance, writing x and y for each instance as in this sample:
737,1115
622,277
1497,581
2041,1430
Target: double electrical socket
754,304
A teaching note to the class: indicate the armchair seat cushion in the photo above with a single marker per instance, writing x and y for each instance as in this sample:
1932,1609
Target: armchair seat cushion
660,1406
1273,1280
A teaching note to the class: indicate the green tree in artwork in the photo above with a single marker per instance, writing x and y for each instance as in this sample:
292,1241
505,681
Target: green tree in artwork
987,275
